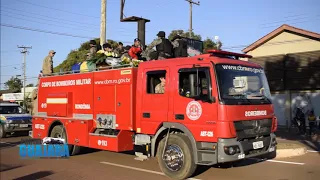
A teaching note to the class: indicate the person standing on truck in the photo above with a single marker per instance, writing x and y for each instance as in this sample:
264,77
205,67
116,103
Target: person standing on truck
47,66
163,46
160,88
92,50
136,50
180,46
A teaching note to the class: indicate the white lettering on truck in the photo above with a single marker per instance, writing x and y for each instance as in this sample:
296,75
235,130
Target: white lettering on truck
102,143
82,106
255,113
77,82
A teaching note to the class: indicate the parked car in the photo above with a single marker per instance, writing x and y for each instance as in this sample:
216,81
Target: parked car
13,119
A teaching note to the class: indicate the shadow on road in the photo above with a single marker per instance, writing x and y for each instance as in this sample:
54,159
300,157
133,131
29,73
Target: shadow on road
4,167
313,142
36,175
86,150
246,162
5,145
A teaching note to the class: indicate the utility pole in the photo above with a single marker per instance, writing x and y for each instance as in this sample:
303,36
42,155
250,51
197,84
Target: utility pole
103,22
191,3
24,52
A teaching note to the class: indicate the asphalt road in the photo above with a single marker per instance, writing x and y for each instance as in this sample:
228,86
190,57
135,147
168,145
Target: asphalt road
114,166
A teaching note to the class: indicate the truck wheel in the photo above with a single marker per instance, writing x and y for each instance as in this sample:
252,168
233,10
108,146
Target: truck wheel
3,134
177,162
58,132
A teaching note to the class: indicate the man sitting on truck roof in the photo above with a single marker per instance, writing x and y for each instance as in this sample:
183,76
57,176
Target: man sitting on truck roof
160,88
135,50
119,50
92,50
107,50
163,46
180,46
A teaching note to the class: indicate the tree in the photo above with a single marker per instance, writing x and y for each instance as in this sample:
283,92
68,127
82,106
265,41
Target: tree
79,55
207,43
183,34
30,85
14,84
210,44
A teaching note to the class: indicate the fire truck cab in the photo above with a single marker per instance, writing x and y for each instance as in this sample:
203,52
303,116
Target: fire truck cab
211,108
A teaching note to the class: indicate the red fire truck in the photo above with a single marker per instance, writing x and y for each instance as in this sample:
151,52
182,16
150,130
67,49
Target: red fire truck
213,108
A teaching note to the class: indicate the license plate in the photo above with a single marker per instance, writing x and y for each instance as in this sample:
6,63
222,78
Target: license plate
23,125
258,145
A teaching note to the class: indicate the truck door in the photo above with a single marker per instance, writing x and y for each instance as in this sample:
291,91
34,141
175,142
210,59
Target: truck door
154,99
191,106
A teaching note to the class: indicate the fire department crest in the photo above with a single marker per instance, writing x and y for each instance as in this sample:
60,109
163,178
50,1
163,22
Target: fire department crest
194,110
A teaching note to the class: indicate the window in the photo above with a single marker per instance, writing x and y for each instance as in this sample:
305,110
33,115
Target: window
242,84
156,82
194,82
11,110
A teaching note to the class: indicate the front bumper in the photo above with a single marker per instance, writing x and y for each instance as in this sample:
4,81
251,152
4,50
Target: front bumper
15,127
246,149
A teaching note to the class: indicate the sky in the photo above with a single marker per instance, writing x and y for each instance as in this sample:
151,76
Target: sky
237,23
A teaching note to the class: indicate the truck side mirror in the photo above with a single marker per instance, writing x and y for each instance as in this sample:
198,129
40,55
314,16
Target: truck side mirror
212,99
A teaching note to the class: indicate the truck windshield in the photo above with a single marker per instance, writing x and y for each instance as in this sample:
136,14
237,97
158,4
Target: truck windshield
11,110
242,85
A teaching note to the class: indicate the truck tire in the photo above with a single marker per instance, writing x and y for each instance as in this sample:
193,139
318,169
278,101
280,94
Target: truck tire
3,134
181,167
58,132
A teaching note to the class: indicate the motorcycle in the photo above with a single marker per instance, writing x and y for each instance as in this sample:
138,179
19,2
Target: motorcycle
299,121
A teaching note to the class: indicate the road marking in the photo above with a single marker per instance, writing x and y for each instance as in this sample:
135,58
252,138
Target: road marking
313,151
286,162
139,169
6,143
12,144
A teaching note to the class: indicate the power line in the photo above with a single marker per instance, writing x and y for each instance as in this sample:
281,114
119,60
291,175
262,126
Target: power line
52,32
269,44
57,9
284,21
290,23
50,17
9,65
73,23
46,23
44,31
121,30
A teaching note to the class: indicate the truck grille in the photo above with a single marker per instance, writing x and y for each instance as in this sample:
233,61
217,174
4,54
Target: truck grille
253,128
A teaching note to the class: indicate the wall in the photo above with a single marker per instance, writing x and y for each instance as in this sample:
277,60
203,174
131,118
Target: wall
285,43
285,103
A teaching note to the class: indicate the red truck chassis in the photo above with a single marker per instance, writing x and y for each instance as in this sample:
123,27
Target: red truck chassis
194,122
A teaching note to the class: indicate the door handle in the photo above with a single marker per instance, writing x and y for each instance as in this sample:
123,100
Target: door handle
146,115
179,116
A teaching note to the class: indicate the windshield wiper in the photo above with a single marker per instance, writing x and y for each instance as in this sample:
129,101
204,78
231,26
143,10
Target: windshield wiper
263,97
242,97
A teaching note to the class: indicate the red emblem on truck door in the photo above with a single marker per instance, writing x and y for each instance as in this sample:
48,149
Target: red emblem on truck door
194,110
